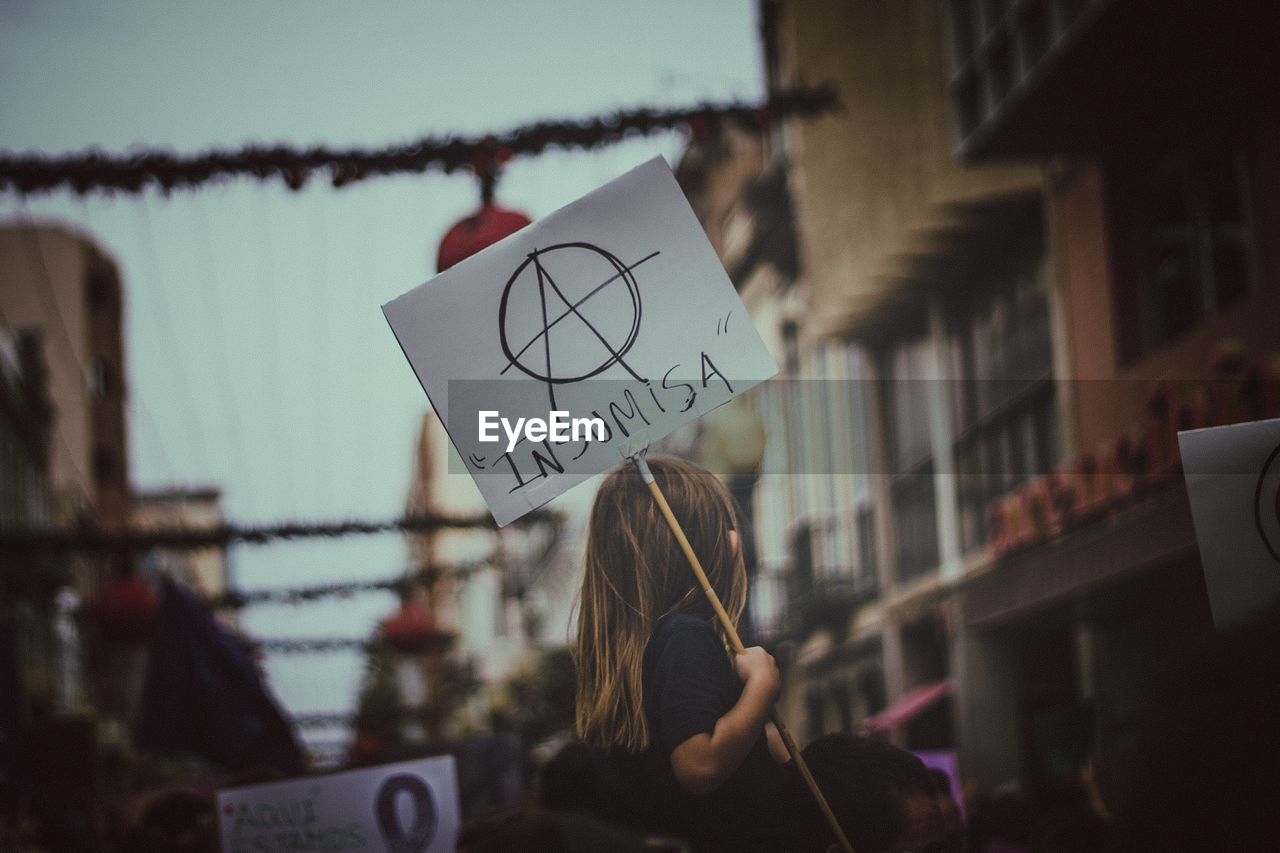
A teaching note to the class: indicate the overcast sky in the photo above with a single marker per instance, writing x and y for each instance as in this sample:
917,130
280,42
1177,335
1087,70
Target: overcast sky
257,354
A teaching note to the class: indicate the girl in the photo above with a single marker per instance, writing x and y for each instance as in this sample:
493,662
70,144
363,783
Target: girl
685,724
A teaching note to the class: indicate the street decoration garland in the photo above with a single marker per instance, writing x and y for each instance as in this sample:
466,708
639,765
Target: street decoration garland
94,171
236,599
33,541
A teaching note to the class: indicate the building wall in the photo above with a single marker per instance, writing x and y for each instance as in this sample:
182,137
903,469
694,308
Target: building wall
108,384
45,273
1112,395
1104,606
42,274
874,180
893,230
901,250
25,414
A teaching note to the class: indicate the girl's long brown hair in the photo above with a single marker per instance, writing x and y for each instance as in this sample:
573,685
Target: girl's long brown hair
635,575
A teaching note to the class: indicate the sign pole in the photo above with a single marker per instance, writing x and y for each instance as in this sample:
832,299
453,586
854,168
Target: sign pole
736,642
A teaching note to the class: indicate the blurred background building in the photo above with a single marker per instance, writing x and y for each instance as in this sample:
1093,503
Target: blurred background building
1030,247
194,508
65,447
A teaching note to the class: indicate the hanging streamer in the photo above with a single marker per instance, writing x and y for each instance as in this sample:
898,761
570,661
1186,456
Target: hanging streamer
20,542
95,170
234,599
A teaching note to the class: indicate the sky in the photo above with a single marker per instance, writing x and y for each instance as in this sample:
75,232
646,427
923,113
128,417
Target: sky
257,356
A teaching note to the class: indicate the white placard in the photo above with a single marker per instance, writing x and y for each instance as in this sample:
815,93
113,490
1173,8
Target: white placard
409,807
614,307
1233,481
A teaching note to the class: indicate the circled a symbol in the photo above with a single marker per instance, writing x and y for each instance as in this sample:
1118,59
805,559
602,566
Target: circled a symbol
546,327
1266,504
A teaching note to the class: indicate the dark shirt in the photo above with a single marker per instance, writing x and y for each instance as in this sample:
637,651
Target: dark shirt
689,683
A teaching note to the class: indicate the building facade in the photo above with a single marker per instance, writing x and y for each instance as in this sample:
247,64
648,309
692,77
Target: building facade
1016,272
1156,124
66,453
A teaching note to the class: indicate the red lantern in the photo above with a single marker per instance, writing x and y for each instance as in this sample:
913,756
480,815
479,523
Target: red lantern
412,630
125,610
478,231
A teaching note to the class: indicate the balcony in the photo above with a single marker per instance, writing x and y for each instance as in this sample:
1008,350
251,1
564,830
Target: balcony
1032,78
828,583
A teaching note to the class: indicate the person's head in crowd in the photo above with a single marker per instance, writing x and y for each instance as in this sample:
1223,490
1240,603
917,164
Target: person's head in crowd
952,821
536,831
882,795
174,820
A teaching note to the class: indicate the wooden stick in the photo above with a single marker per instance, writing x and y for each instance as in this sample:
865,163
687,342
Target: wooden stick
736,642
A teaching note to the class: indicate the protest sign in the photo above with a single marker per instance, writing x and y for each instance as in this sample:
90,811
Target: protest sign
613,312
1233,482
409,807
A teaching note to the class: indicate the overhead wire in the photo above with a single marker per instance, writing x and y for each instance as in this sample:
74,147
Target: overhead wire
324,406
134,403
233,407
375,264
89,538
272,375
95,170
42,278
184,396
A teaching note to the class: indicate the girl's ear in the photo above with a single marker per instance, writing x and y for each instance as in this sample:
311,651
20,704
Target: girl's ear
735,542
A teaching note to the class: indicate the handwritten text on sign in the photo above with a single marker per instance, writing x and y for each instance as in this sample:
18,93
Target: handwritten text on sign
614,309
410,807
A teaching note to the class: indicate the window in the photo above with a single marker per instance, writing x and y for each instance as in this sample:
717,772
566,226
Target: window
1194,242
911,453
1003,404
839,463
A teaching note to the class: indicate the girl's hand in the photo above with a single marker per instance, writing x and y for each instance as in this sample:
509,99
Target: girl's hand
756,667
703,762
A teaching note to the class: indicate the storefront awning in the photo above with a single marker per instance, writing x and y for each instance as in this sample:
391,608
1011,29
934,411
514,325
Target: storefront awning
910,704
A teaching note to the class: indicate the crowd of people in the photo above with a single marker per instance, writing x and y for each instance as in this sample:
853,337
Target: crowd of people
676,750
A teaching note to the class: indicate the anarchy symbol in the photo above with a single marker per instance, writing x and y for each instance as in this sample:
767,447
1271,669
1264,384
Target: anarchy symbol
576,340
